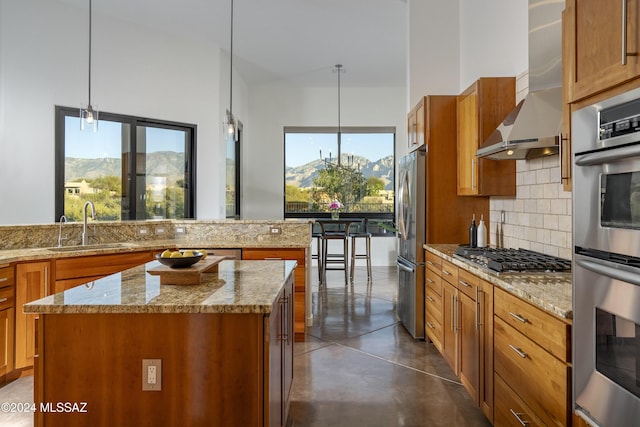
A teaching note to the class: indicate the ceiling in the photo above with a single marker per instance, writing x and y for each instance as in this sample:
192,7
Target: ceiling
297,41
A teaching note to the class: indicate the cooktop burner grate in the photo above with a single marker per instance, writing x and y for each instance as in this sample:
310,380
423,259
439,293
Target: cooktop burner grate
520,260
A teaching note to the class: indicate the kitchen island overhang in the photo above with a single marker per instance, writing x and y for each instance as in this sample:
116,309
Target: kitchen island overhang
226,348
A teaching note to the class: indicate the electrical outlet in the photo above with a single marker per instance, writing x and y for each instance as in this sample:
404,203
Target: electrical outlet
181,230
143,231
151,374
275,229
160,230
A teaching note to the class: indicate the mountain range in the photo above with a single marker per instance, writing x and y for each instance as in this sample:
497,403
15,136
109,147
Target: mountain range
302,176
167,164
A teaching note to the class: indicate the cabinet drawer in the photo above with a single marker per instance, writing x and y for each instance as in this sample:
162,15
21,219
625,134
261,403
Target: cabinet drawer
7,277
433,262
509,409
541,380
433,304
549,332
275,253
468,283
98,265
450,272
433,281
7,297
433,330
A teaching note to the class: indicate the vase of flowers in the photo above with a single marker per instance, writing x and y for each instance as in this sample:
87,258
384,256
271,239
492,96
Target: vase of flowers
334,208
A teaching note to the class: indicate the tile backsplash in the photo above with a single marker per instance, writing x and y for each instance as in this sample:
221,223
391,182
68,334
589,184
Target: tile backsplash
539,218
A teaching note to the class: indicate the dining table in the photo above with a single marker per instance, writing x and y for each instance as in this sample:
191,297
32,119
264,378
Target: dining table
337,230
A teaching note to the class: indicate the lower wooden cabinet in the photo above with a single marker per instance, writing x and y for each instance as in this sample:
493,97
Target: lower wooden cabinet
74,271
7,316
485,316
32,283
300,277
510,410
540,380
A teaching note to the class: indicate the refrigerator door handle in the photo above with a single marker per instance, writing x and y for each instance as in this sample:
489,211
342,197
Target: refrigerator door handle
405,267
402,211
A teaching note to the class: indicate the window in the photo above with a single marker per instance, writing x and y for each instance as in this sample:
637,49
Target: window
131,169
354,167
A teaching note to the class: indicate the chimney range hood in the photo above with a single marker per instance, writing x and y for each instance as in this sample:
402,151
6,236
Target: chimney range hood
533,128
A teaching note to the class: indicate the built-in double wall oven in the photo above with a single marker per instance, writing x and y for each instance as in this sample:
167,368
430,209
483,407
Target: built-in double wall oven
606,272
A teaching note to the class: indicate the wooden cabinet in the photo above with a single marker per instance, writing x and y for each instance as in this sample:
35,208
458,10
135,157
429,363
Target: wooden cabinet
32,283
450,317
415,126
449,214
300,279
218,369
433,302
463,304
531,358
601,48
281,338
7,315
74,271
481,108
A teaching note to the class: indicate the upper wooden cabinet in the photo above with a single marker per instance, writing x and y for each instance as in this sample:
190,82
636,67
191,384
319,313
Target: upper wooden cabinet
481,108
601,48
415,126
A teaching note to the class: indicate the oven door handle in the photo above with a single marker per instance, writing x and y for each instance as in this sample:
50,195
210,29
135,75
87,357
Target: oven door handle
608,156
618,273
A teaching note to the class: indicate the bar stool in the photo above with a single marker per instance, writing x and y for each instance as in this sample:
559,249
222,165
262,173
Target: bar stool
360,233
318,254
339,231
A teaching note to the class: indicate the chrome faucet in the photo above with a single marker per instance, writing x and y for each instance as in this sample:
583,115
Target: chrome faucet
63,219
84,220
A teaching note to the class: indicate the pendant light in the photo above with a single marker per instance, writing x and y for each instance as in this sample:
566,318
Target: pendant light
230,123
89,116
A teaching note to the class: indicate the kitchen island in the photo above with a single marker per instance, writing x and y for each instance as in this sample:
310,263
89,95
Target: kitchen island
225,349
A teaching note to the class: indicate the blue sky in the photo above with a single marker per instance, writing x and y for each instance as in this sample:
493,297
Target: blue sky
107,141
303,148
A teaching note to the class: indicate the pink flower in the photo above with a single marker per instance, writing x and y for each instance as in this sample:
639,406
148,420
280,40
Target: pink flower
335,205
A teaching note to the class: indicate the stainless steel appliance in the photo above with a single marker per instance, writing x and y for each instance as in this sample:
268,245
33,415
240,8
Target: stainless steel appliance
504,260
411,237
606,278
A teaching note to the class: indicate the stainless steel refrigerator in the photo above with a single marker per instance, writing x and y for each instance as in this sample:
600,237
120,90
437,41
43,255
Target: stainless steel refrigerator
411,237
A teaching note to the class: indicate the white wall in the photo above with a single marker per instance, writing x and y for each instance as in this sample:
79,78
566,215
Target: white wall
433,49
135,72
493,39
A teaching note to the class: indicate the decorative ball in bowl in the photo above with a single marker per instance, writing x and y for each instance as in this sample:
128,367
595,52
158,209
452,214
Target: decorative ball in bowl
179,259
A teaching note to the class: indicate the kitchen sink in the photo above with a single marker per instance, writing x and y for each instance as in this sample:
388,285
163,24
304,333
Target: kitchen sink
91,247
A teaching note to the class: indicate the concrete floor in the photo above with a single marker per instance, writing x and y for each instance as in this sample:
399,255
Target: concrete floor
358,366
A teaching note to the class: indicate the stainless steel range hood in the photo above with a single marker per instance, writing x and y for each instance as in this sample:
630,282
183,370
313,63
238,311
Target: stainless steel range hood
533,128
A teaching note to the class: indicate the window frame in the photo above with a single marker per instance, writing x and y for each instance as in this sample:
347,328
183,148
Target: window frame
368,217
133,121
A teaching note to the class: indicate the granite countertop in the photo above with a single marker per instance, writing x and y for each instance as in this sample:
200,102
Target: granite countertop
114,238
237,287
551,292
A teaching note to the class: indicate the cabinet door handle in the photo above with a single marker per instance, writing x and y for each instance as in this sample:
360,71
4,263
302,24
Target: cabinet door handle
272,259
429,298
3,300
430,325
446,273
465,284
518,351
518,416
624,32
430,263
453,313
3,279
473,175
430,281
477,311
518,317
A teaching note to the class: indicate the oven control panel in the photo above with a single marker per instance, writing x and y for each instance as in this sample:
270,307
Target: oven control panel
618,120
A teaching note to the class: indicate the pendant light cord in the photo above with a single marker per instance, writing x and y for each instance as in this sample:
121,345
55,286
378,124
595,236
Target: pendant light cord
231,67
90,52
339,71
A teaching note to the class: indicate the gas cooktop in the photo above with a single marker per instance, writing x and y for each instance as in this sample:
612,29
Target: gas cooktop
510,260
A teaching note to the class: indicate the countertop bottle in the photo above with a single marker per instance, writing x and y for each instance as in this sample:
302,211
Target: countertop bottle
473,233
482,233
